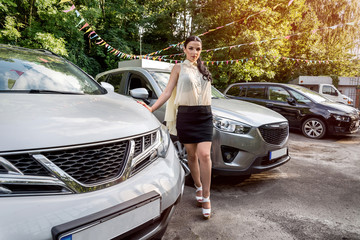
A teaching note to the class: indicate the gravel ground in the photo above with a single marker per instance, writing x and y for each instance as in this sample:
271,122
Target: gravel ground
316,195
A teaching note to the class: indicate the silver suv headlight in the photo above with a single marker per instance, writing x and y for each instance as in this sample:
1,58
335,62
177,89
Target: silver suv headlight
228,125
159,148
164,141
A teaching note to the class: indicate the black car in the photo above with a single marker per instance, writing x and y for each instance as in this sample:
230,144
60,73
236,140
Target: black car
304,109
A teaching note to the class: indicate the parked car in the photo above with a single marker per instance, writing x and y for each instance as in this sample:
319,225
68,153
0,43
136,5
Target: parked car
78,161
247,138
323,86
307,110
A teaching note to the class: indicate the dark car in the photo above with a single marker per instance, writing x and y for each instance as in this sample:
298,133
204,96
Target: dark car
307,110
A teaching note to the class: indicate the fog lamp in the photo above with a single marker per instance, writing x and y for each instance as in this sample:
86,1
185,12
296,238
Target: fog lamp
229,153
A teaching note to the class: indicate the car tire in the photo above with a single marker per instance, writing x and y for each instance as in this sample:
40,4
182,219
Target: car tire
313,128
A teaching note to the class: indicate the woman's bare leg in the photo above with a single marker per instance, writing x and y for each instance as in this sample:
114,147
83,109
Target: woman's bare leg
203,153
193,163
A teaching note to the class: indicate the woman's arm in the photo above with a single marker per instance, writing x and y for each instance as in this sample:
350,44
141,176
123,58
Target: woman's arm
165,95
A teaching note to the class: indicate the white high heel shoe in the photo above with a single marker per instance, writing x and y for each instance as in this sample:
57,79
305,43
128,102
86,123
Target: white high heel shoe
198,199
206,211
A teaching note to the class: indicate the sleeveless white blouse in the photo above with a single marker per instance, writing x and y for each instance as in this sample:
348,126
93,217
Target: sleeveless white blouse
191,90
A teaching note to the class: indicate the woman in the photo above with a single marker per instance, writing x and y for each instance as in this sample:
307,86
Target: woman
188,115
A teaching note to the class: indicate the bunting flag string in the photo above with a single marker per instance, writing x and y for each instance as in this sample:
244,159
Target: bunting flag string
257,58
202,34
18,72
172,45
72,8
217,28
92,35
290,2
275,38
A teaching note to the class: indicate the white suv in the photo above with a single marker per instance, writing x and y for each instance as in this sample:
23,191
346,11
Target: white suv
78,161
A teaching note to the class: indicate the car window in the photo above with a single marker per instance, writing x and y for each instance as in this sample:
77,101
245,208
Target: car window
115,79
137,81
314,88
216,93
161,78
299,97
234,91
278,94
243,91
329,90
102,78
256,92
35,72
313,96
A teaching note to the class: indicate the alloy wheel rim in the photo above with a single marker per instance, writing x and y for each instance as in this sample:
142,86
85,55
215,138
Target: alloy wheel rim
314,128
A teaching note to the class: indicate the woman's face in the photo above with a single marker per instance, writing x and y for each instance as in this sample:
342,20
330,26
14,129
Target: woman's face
193,50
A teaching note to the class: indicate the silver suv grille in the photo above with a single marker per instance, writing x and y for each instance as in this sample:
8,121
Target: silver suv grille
90,167
275,133
27,165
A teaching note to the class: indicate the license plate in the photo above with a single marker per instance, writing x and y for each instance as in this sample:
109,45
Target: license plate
116,224
277,153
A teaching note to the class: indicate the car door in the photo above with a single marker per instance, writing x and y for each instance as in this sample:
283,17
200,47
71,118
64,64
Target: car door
117,79
250,93
253,93
330,92
135,79
281,101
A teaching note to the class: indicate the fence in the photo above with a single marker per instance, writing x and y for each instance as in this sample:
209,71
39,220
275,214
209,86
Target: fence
354,92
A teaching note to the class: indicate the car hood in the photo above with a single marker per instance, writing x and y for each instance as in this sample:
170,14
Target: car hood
245,112
342,108
37,121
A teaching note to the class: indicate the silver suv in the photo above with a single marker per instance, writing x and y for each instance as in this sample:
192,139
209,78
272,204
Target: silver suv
247,138
78,161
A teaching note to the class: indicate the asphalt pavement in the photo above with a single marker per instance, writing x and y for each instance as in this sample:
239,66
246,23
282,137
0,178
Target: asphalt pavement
316,195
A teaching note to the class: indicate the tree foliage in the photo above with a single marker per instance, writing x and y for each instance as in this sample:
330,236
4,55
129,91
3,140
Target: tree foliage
160,23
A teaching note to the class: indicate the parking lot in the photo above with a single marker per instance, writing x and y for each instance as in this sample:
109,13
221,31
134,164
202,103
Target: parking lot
316,195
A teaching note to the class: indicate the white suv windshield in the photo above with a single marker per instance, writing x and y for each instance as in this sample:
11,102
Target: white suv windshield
162,78
36,72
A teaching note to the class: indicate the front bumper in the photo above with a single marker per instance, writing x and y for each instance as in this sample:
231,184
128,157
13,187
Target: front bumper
33,217
341,128
259,165
252,153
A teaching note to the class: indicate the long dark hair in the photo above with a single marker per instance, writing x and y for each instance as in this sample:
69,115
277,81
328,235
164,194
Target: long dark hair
202,68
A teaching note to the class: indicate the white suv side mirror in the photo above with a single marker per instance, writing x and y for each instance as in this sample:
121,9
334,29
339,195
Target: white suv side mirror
139,93
108,86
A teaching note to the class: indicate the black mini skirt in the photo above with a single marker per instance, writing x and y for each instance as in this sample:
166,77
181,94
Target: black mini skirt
194,124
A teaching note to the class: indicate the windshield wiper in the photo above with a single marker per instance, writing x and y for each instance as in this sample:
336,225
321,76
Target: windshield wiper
53,92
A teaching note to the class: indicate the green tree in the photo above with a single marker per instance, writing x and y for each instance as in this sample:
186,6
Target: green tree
43,24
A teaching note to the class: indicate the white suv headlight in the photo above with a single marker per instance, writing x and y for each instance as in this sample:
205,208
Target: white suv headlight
228,125
164,141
